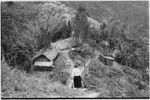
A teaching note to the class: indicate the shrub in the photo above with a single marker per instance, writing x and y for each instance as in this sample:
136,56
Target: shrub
61,77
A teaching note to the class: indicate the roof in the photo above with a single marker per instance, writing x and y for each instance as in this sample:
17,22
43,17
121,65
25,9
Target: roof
93,23
53,51
49,53
107,57
63,44
60,62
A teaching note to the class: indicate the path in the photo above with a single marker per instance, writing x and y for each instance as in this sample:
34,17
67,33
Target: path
65,53
86,94
83,68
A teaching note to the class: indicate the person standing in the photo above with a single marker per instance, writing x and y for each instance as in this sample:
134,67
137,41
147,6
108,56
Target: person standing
76,76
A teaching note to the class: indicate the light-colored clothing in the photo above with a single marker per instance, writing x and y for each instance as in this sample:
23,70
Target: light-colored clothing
76,72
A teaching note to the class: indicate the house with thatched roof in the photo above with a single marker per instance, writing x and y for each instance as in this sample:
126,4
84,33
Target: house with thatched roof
45,57
107,60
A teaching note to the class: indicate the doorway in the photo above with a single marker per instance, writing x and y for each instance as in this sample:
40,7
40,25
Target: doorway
77,82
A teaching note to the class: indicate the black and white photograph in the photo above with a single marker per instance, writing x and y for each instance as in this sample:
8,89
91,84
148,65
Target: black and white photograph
75,49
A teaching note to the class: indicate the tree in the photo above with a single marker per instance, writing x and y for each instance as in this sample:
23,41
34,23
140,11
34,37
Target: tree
81,25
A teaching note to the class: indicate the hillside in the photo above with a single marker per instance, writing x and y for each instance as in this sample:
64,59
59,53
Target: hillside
134,12
89,40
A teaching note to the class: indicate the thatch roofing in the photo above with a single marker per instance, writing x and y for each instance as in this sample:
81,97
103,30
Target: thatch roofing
108,57
49,53
63,44
55,48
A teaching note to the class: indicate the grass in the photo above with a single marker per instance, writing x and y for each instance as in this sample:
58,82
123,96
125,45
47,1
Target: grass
114,81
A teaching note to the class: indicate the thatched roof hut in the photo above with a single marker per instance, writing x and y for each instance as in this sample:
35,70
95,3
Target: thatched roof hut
106,60
45,57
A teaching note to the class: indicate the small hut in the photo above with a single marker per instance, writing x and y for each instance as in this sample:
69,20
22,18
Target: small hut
106,60
45,59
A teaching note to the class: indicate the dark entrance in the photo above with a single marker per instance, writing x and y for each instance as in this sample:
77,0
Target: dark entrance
77,82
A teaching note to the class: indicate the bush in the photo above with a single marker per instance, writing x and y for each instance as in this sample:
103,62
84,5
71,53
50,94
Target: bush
61,77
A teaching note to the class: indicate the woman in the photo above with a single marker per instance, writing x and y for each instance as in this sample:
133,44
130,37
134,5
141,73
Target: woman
76,75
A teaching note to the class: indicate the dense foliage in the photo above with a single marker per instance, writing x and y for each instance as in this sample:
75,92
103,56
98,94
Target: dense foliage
132,51
27,28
